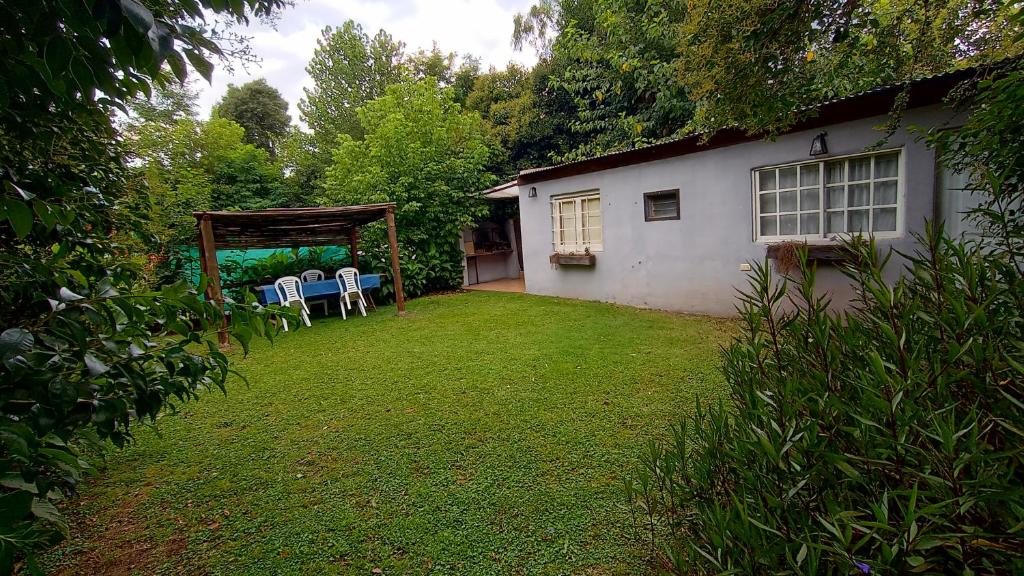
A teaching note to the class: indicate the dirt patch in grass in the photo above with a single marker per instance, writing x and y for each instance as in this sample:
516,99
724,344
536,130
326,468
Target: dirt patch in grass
115,543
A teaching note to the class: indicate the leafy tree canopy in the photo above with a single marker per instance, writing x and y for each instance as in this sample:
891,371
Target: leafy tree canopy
349,69
640,72
258,108
615,60
423,152
755,63
528,123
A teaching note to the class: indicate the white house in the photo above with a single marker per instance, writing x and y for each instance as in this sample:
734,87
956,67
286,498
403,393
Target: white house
675,225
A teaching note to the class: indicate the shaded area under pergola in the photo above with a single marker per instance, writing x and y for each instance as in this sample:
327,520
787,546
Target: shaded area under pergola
289,228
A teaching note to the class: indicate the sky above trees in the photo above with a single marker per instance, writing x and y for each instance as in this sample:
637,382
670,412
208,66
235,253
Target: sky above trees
482,28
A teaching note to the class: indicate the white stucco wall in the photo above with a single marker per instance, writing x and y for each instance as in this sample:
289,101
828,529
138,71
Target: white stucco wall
693,264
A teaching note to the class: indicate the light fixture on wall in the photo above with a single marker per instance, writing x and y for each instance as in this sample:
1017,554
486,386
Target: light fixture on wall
819,146
532,192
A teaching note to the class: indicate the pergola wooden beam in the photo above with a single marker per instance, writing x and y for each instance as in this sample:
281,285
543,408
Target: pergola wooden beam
290,228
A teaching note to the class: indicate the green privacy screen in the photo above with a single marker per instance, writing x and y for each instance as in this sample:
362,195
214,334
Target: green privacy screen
228,258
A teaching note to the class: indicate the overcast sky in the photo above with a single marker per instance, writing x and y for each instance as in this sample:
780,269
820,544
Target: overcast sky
482,28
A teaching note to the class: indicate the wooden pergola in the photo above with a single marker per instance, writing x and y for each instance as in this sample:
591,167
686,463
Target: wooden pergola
289,228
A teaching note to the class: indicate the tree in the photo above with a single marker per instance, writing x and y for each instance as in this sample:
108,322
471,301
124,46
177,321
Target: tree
168,103
303,167
424,153
464,77
192,165
86,348
348,70
527,127
757,63
615,60
258,108
433,64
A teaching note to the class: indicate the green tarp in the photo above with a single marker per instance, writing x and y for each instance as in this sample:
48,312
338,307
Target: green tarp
253,254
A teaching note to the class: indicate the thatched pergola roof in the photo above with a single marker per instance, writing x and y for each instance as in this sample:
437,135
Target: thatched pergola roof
289,228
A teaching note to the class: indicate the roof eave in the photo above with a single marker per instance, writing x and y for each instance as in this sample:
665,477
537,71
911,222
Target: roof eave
924,92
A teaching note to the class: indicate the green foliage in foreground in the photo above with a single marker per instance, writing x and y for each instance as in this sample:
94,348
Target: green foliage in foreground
474,436
87,350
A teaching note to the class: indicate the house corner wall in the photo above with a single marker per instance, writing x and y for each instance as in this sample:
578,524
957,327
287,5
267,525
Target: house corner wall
693,264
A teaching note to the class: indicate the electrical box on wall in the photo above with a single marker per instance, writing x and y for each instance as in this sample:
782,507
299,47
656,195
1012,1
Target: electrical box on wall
744,267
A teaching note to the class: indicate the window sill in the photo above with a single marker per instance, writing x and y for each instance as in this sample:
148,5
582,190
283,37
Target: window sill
572,259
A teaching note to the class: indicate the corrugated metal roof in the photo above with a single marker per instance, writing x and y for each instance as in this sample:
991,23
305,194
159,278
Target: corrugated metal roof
509,189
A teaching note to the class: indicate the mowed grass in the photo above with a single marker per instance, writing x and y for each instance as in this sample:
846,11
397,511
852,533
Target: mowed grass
484,433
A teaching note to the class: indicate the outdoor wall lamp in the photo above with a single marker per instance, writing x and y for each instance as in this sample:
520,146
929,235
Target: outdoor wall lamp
532,192
819,146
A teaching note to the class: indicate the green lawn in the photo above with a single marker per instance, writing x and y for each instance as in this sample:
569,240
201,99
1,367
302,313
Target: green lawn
484,433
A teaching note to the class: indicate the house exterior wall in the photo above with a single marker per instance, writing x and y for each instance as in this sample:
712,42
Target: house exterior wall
693,264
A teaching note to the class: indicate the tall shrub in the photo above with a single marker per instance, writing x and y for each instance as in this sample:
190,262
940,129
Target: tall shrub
887,439
423,152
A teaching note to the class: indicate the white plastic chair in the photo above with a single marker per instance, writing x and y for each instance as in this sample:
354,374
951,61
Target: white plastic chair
315,275
289,289
348,282
312,275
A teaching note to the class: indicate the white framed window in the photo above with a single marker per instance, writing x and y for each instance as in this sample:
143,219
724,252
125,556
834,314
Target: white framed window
858,194
576,223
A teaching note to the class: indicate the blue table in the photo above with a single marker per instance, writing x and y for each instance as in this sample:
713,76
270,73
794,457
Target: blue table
310,290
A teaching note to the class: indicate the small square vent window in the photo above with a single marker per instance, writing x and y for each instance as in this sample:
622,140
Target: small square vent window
662,205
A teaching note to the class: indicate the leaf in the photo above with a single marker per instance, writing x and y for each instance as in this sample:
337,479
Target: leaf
12,187
105,288
66,295
15,506
14,481
95,366
801,554
200,63
244,336
178,67
45,213
15,341
57,56
44,509
20,216
140,16
161,40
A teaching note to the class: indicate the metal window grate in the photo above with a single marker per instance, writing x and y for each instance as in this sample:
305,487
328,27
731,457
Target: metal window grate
661,205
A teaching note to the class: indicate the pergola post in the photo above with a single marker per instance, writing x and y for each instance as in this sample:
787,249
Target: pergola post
396,270
208,264
353,246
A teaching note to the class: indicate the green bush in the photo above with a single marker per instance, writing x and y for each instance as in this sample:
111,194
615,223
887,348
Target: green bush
424,271
241,274
886,439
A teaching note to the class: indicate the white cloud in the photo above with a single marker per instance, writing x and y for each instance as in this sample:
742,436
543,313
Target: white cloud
482,28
